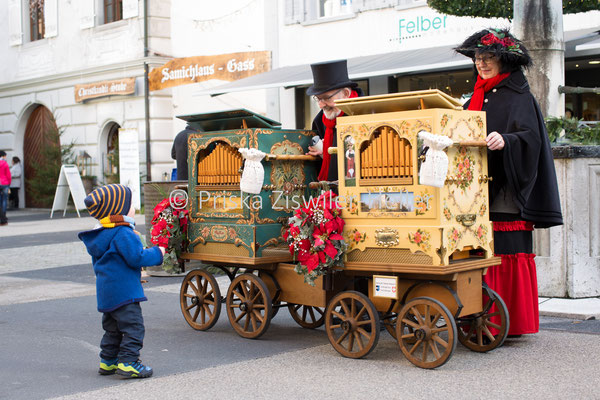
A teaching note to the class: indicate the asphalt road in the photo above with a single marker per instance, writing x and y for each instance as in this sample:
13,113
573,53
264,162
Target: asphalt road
50,331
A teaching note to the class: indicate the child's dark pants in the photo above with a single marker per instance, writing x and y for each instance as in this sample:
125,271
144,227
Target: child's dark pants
124,333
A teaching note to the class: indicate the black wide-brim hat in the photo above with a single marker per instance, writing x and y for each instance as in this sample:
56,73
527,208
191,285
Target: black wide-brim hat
328,76
509,50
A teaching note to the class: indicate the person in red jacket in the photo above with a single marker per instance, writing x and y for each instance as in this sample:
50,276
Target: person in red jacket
4,186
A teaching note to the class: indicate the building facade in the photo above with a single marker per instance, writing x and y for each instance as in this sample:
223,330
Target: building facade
55,51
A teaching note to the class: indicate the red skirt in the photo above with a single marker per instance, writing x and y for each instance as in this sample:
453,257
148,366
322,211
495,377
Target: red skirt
515,280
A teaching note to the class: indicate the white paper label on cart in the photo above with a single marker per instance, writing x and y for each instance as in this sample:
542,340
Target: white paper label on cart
385,286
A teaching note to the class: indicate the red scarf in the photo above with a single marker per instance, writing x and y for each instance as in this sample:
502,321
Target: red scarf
482,86
328,140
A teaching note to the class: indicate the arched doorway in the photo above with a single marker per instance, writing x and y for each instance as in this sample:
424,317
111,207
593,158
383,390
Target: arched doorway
41,155
110,169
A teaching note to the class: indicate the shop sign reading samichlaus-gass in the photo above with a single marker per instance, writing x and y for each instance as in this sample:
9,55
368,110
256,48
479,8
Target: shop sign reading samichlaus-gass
226,67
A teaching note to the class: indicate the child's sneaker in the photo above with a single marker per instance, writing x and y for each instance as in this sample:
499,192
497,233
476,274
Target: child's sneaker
134,370
108,367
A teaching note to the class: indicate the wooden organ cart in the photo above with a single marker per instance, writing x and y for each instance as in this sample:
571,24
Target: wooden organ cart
416,253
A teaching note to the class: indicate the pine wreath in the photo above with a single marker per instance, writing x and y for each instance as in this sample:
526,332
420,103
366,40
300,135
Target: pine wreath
500,8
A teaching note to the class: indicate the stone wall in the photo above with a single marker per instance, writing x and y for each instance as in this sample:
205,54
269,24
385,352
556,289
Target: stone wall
569,255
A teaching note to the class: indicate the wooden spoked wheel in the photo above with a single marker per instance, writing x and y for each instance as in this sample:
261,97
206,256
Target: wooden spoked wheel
486,330
307,316
200,299
274,290
249,306
426,332
352,324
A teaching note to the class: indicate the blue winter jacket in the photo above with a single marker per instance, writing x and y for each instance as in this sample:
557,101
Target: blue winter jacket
117,256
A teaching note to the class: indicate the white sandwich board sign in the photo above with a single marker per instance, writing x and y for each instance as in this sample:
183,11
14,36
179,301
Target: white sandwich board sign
129,163
69,182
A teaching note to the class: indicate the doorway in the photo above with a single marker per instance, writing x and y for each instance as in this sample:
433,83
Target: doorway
41,149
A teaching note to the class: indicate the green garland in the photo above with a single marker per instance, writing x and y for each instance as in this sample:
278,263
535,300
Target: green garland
500,8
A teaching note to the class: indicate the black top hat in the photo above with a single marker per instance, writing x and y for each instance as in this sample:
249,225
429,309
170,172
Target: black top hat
500,42
328,76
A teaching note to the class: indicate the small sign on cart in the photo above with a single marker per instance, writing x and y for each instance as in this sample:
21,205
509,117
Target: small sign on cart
385,286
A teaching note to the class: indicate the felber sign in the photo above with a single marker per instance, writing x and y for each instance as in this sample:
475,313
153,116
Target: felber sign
226,67
120,87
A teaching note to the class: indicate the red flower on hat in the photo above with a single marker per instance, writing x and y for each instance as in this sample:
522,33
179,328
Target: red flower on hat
508,42
489,39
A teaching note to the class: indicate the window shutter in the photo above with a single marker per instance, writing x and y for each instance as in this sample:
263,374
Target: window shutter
294,11
50,18
15,32
86,14
130,8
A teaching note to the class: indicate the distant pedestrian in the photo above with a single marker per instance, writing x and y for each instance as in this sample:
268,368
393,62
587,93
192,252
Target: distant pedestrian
179,152
5,180
15,172
117,256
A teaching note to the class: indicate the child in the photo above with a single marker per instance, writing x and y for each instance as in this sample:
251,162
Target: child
117,256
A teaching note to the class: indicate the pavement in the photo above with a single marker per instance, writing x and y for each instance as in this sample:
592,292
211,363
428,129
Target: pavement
28,224
50,335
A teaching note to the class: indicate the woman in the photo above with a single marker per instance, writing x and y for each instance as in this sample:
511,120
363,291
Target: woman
523,192
15,184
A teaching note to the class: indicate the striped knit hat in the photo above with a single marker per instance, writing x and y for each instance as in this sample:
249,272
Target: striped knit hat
109,200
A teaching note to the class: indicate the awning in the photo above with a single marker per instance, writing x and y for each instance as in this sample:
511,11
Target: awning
396,63
582,43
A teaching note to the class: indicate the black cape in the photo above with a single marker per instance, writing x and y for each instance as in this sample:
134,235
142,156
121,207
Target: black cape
179,152
319,127
525,164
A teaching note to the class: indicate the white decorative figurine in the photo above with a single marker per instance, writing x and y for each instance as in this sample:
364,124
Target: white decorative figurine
317,143
435,167
254,173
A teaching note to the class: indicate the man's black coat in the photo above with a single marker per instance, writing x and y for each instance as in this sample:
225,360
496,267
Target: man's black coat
179,153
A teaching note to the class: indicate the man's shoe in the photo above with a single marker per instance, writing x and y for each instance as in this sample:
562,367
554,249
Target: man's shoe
134,370
108,367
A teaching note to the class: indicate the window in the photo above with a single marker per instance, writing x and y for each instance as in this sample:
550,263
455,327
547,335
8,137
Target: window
302,11
113,10
365,5
333,8
457,84
411,3
36,19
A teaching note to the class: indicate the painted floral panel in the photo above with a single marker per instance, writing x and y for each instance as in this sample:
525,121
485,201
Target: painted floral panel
421,238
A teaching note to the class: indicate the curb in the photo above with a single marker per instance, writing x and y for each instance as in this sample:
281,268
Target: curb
581,309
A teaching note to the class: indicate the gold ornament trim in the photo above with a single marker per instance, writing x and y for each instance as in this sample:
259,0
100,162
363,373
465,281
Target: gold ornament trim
386,237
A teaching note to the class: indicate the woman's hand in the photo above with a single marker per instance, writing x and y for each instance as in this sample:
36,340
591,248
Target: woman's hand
162,250
495,141
312,151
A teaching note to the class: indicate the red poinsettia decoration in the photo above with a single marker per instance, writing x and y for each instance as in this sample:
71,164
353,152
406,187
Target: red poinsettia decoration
314,236
169,230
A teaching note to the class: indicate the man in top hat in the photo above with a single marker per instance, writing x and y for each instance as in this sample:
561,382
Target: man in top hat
330,83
